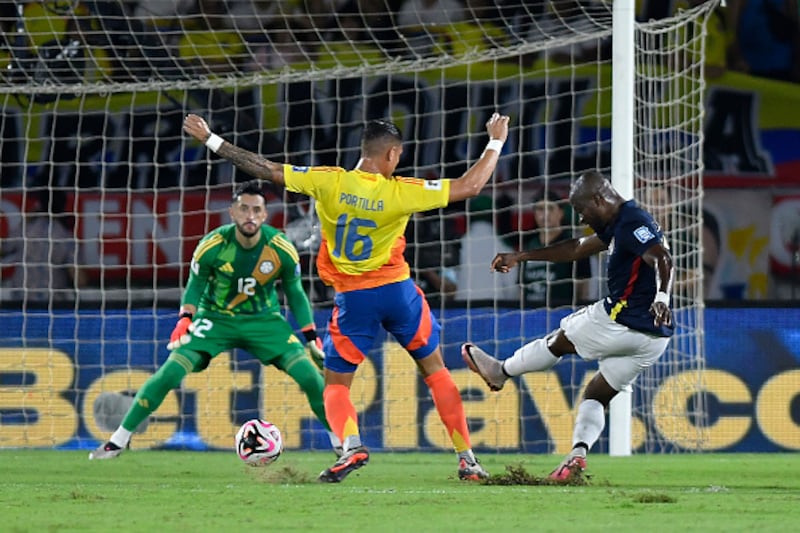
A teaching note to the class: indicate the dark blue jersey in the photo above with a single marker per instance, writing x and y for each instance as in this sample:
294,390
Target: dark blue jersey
631,281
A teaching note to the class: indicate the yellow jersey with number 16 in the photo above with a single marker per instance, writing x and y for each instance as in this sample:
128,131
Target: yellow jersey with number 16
363,218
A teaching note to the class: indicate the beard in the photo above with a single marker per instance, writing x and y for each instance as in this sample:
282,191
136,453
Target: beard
245,232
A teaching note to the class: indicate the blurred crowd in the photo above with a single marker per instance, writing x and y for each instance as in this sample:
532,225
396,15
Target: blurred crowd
122,40
125,41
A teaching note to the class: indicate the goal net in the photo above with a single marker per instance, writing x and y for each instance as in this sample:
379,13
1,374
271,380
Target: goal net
103,199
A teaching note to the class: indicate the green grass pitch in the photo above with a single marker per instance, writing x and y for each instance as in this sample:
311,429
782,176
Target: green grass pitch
166,491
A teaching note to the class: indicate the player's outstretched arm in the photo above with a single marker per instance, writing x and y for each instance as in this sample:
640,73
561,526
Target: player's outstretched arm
564,251
476,176
245,160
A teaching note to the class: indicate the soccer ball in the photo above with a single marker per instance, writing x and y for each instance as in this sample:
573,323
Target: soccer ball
258,442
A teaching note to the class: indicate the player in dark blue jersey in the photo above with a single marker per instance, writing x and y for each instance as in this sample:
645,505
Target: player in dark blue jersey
625,332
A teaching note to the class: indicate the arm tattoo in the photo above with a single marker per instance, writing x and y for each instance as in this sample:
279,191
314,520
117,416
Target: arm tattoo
245,160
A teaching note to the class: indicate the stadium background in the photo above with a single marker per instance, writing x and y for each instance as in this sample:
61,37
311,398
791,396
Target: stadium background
751,183
752,132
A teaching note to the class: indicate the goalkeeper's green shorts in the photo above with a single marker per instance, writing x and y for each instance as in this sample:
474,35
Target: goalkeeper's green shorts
268,338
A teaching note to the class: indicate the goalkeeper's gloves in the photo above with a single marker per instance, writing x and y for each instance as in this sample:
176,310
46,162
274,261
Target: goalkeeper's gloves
314,345
180,335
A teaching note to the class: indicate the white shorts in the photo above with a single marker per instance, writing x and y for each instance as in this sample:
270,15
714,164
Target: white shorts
622,353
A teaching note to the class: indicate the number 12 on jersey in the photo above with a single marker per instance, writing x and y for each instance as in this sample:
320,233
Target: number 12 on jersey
349,241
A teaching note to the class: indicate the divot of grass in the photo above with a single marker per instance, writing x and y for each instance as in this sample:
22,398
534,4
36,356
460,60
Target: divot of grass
283,475
81,495
516,474
655,497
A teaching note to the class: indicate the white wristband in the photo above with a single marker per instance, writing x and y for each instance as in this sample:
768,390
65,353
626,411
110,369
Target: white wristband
213,142
493,144
662,297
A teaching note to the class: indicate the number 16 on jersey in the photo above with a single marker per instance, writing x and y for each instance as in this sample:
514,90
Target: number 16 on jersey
349,242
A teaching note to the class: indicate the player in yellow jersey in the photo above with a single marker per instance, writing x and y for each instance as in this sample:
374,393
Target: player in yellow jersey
363,213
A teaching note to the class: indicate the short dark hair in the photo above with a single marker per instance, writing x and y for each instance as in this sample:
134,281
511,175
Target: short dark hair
247,187
380,131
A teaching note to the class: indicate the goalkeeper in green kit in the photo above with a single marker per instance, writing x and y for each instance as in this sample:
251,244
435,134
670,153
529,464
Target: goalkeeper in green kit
230,302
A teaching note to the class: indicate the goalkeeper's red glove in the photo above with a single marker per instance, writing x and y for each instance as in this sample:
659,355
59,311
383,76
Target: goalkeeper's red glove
180,335
314,345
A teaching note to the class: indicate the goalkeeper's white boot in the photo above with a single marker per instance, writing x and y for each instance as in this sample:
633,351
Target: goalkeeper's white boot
109,450
483,364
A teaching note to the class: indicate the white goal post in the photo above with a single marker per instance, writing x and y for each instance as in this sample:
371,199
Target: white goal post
623,70
103,198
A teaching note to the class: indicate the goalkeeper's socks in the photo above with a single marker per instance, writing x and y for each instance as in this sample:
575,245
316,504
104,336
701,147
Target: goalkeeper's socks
121,437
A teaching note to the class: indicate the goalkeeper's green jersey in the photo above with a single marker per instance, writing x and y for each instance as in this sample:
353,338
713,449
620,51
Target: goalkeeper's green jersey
227,279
